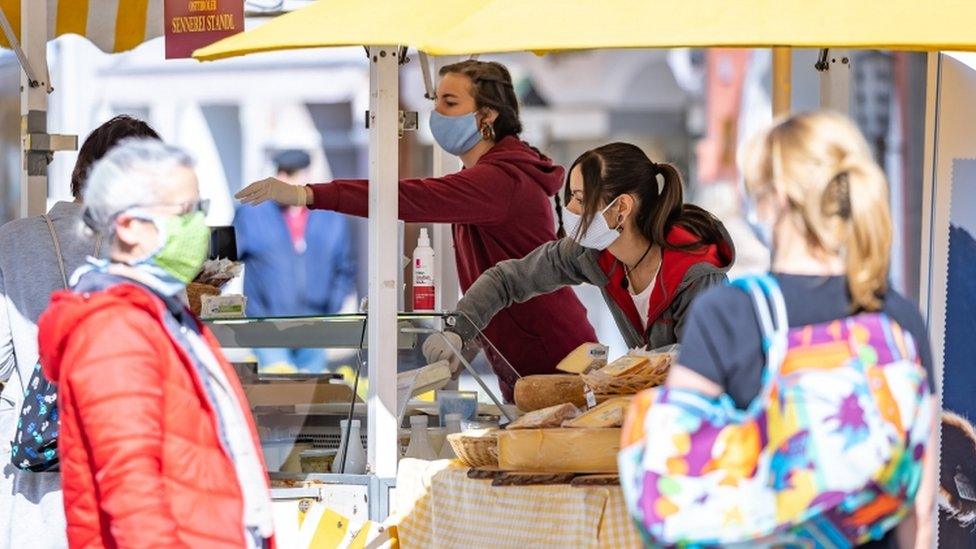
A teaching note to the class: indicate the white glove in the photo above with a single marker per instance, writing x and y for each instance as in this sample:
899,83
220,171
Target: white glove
273,189
436,349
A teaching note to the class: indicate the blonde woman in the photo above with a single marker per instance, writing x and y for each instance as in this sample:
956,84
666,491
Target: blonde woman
821,204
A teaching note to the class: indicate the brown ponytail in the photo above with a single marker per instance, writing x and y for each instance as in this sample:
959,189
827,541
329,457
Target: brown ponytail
621,168
835,192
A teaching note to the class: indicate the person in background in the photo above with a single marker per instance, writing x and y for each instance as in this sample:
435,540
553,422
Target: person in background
31,512
158,447
821,206
499,205
297,263
631,234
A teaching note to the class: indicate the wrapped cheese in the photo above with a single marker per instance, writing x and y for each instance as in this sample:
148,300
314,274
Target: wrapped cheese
624,365
559,450
586,357
553,416
542,391
610,413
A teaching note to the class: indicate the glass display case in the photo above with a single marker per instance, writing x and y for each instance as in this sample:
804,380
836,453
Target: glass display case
299,413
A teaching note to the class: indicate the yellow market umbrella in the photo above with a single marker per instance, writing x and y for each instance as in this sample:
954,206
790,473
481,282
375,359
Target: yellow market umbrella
484,26
552,25
112,25
347,23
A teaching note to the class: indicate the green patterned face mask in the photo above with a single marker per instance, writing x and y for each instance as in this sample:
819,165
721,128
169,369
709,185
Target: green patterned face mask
186,246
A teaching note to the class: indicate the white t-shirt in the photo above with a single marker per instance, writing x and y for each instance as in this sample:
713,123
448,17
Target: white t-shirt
643,302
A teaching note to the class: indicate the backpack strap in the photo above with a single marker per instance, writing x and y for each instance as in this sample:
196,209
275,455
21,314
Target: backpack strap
773,325
57,250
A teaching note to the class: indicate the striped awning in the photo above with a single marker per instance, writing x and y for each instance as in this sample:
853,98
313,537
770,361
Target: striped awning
112,25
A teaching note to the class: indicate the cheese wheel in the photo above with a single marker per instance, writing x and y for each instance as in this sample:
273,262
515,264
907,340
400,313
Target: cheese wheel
542,391
559,450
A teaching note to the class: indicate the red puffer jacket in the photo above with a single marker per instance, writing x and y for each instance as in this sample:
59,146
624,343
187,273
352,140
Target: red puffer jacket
141,461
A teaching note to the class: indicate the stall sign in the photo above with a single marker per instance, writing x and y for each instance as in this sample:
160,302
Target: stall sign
193,24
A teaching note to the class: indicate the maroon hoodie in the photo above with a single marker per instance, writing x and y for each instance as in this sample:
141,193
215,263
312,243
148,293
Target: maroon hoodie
500,209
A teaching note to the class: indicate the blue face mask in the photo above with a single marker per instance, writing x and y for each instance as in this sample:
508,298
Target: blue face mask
455,134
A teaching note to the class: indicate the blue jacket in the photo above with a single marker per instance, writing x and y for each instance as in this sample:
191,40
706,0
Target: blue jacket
278,281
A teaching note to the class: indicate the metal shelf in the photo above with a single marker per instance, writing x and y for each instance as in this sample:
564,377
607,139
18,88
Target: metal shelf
342,331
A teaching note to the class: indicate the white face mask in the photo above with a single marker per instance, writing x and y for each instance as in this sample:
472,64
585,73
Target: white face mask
598,236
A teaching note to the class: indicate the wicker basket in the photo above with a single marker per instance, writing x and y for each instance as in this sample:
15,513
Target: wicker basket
476,449
652,374
194,292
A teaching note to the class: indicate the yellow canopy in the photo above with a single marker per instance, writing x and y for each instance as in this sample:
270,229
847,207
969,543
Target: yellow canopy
347,23
112,25
484,26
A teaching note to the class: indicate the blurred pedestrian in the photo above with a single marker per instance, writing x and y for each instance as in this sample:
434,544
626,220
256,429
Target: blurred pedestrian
298,262
820,203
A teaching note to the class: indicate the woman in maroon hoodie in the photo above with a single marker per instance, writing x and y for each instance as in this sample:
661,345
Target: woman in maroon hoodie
499,205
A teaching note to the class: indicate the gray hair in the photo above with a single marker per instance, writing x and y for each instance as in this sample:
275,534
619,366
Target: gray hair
136,172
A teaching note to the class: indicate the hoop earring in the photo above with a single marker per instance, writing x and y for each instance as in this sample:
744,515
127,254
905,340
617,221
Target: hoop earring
487,132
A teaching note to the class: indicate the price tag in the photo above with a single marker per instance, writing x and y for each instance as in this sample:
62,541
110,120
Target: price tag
590,398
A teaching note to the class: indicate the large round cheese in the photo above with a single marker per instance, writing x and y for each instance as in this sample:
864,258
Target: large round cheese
543,391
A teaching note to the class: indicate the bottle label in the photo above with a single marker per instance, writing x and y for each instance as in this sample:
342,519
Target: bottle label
423,298
422,275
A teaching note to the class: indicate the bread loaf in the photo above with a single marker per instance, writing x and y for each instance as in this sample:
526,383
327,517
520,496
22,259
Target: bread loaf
542,391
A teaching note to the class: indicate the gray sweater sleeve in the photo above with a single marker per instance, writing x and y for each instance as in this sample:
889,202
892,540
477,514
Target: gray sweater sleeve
7,358
544,270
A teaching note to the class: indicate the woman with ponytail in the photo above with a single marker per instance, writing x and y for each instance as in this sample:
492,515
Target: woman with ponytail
631,234
500,206
819,201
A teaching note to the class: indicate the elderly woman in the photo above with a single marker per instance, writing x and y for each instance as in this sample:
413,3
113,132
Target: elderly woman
37,257
157,446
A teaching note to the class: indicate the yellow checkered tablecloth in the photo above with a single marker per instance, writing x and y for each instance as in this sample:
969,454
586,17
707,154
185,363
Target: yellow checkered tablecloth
438,506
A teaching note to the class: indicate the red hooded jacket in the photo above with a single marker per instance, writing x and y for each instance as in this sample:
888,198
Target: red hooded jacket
683,274
501,209
141,461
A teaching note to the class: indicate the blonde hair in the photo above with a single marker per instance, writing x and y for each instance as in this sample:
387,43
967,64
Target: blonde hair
835,192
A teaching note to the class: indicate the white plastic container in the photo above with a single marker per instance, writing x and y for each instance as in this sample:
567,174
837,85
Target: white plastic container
437,438
452,425
419,447
356,464
423,274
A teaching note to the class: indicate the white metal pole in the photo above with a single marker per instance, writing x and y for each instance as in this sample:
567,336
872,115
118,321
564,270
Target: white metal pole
445,269
384,259
835,82
933,303
33,106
